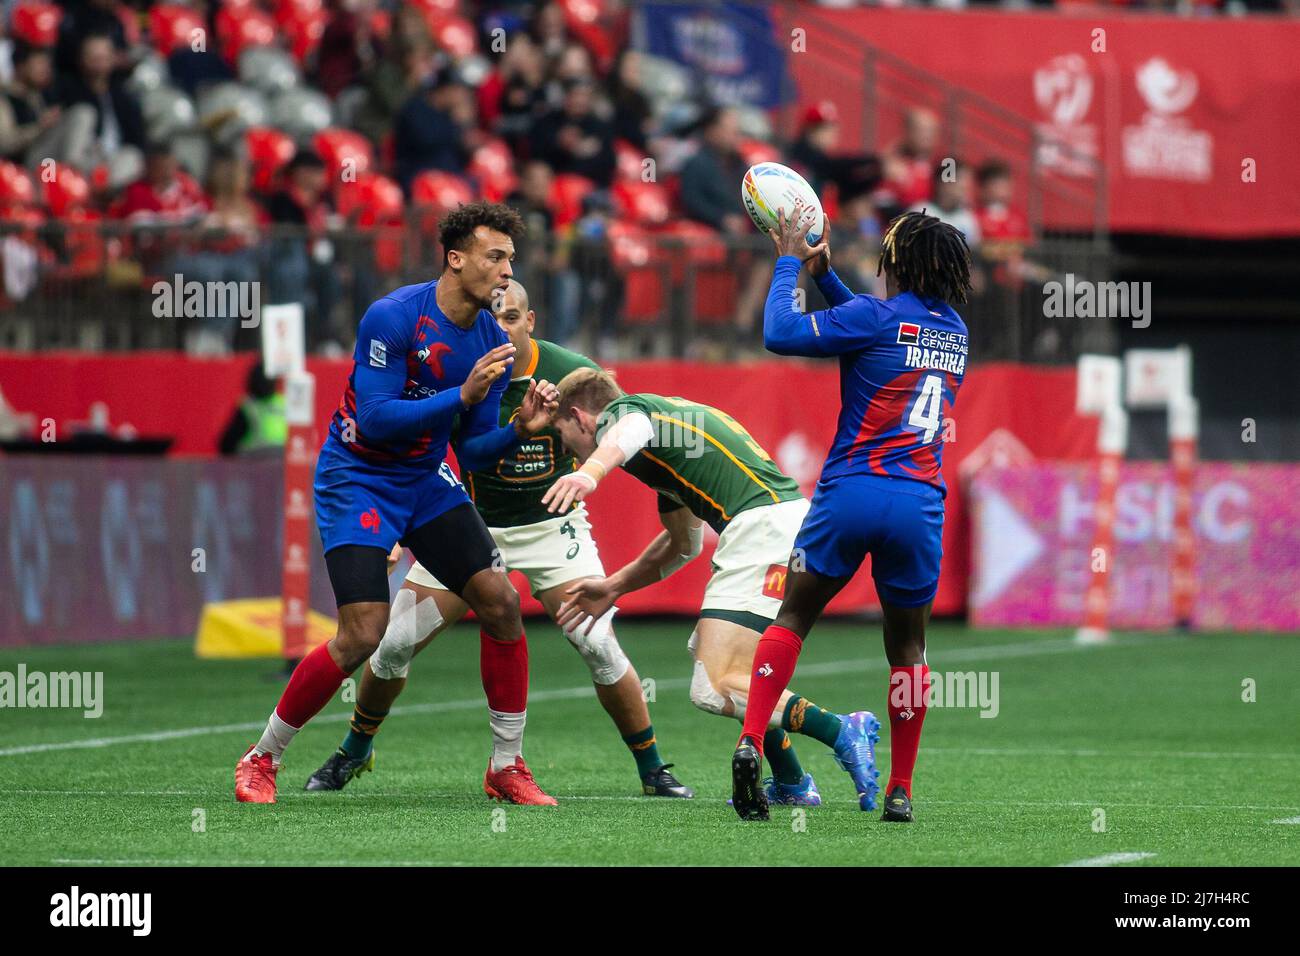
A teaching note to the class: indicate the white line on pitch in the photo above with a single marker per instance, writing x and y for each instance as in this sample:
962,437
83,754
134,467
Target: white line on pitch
1290,820
1110,859
223,862
1031,648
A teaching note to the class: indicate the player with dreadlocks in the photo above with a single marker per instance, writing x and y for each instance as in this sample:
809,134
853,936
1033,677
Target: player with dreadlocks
902,359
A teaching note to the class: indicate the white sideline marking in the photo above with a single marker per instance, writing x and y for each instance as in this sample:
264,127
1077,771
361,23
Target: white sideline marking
196,862
1031,648
1290,820
1110,859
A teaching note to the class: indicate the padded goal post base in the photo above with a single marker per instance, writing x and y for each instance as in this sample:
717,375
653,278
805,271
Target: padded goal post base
250,627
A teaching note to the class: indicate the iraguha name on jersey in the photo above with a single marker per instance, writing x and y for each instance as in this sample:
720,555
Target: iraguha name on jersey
510,494
939,349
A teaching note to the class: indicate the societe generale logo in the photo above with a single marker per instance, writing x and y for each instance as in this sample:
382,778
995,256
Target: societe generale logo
1063,89
1167,91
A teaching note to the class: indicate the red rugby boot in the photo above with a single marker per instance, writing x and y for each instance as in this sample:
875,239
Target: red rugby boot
255,778
515,784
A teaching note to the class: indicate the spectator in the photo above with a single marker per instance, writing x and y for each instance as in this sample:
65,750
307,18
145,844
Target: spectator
633,115
301,258
408,61
950,190
711,178
1002,227
347,47
258,426
26,112
541,256
103,122
191,69
87,18
522,99
814,154
165,194
576,139
909,165
434,130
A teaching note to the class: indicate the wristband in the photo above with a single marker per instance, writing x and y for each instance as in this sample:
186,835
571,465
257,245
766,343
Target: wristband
587,464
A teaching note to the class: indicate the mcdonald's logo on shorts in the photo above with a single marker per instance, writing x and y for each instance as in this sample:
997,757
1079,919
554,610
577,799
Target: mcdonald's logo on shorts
774,581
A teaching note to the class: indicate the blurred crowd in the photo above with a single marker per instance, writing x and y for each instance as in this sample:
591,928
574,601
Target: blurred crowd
243,140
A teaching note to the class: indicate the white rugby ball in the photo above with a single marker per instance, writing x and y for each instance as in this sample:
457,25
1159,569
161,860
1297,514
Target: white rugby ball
768,187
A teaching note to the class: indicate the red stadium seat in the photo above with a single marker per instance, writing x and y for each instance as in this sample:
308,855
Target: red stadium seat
36,23
456,35
17,191
630,161
567,192
716,281
242,27
287,11
638,260
268,152
648,204
586,20
304,33
493,168
172,26
373,200
65,192
754,151
433,193
343,150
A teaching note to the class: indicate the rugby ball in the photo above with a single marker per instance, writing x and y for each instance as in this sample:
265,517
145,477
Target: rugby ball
768,187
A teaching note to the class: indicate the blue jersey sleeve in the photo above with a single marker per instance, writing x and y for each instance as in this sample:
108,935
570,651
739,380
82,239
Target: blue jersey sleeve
380,379
832,288
848,326
481,442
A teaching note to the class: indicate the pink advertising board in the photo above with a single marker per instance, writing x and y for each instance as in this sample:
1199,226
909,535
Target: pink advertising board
1032,534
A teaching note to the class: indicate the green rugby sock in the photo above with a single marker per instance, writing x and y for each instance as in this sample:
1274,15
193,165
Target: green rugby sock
781,757
802,716
361,735
644,750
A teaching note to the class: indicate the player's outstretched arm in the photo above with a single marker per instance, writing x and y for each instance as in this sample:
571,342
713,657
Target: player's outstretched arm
621,441
380,379
677,545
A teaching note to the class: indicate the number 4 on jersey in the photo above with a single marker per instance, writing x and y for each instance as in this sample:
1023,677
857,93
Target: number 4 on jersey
927,412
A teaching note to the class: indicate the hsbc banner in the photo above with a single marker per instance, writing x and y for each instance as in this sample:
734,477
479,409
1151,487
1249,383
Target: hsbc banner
1194,118
1033,529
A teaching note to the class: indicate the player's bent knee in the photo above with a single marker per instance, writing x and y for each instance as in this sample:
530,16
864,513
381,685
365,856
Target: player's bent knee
600,650
409,622
705,696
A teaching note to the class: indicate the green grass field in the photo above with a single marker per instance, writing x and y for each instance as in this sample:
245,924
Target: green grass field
1151,729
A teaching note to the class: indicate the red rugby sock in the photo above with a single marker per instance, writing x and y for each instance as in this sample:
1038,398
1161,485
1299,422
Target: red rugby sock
313,683
908,692
503,665
774,661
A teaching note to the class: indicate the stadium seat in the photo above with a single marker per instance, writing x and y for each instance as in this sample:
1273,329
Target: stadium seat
268,69
637,258
754,151
456,36
374,204
492,167
715,280
629,161
242,27
149,74
567,192
17,191
167,113
305,34
65,191
230,108
344,149
172,26
648,204
586,21
269,150
434,192
36,23
301,112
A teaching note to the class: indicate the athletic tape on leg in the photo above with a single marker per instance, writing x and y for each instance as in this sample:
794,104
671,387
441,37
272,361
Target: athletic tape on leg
408,624
600,649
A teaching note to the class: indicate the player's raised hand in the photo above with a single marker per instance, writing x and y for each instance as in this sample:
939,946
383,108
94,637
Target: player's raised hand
490,367
791,239
568,491
538,408
588,602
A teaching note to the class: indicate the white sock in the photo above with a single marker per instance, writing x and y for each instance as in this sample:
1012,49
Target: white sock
275,738
507,737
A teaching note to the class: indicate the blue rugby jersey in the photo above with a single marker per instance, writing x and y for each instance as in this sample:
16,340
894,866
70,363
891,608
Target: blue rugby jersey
404,391
901,363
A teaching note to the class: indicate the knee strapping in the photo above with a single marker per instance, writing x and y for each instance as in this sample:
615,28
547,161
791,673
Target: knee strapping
601,650
408,624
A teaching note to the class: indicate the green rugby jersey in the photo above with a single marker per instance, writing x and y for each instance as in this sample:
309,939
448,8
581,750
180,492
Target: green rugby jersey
702,458
511,493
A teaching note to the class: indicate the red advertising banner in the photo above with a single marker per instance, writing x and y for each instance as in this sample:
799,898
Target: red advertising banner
1033,531
1005,412
1194,118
